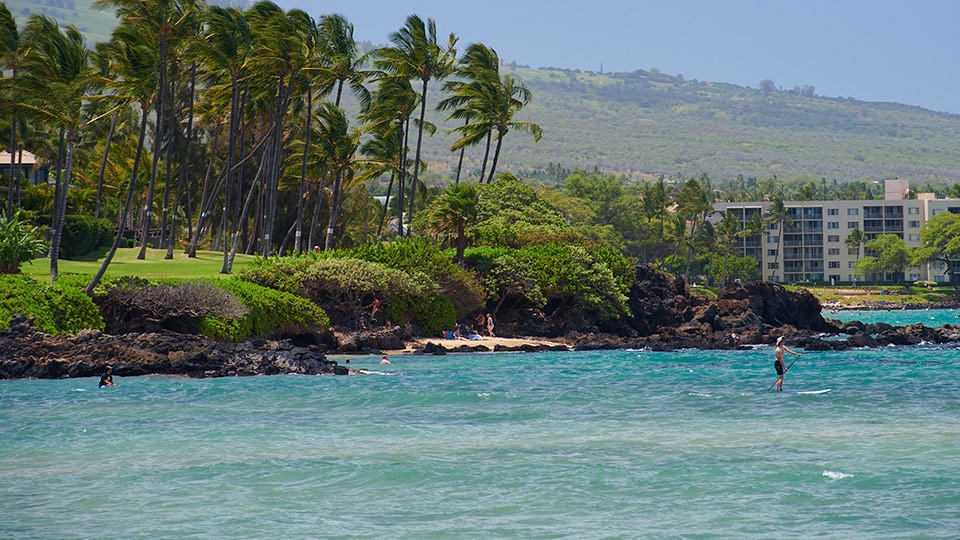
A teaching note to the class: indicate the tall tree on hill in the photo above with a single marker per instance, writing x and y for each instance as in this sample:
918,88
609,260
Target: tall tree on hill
418,54
58,82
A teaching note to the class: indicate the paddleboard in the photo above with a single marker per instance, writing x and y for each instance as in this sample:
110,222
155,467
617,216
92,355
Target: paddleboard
811,392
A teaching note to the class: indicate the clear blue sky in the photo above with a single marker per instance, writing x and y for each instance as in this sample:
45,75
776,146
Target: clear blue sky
873,50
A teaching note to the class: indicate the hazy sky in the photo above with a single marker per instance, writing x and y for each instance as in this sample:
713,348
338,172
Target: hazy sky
873,50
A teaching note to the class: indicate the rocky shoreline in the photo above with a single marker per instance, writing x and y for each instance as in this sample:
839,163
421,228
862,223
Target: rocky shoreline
665,317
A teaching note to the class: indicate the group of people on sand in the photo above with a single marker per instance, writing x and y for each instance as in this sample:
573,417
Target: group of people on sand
464,331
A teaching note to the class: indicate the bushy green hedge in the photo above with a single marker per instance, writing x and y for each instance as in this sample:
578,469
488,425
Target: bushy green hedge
346,288
271,312
82,234
60,308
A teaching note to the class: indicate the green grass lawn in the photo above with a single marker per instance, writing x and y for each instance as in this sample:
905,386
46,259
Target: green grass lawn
207,264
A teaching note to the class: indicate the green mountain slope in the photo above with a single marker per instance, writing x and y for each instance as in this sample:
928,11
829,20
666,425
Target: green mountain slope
644,124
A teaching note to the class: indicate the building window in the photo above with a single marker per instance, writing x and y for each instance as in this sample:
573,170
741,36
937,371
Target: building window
937,211
851,264
833,251
914,237
834,264
940,278
833,211
772,227
772,266
913,210
913,224
773,239
853,224
914,277
833,238
833,224
771,253
853,211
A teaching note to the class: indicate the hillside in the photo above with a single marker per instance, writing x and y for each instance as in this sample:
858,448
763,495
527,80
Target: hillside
643,124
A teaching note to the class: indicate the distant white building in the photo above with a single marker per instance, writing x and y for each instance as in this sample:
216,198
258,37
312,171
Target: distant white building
29,168
814,246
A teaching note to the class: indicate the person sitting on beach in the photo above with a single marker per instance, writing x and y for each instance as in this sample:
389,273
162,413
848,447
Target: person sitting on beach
107,378
456,332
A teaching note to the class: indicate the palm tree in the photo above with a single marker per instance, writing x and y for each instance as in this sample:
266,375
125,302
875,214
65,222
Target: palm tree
479,65
854,241
390,110
58,79
779,216
343,62
452,213
136,82
336,145
728,229
11,56
417,54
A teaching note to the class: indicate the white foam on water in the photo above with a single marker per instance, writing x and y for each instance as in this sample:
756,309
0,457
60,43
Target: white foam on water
834,475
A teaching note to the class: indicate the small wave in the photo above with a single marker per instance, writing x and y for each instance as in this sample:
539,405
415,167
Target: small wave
700,394
79,389
834,475
483,395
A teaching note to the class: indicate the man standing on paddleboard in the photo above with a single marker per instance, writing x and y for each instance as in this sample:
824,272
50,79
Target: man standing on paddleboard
778,363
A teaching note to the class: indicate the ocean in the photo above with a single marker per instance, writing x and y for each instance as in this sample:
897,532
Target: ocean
611,444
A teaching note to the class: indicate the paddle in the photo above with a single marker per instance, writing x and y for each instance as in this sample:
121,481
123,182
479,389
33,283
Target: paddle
784,372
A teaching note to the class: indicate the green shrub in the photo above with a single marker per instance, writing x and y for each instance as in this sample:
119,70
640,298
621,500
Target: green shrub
434,313
280,273
84,234
270,312
59,308
19,243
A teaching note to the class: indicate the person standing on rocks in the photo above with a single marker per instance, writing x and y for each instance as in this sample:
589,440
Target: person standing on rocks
778,362
107,378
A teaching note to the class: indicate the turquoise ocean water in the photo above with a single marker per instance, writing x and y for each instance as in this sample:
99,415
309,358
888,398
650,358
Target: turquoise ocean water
933,318
613,444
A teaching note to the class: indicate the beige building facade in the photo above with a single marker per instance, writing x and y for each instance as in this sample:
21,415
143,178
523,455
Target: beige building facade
813,248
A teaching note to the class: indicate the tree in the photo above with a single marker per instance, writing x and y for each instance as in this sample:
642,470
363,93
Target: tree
728,229
940,244
11,56
58,80
893,257
19,243
854,241
417,54
777,218
452,213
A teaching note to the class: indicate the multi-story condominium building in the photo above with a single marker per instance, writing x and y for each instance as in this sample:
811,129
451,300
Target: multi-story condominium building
813,248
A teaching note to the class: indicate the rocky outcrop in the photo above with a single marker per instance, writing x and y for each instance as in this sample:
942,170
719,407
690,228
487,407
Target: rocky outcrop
27,353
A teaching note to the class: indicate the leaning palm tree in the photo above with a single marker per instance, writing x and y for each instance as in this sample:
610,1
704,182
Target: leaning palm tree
58,81
136,82
417,54
492,108
480,65
336,146
779,216
728,229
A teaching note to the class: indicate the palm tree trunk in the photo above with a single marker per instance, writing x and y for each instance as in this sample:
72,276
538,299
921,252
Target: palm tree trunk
228,184
386,204
416,161
103,163
334,210
486,156
126,207
303,172
13,170
60,199
496,156
463,150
